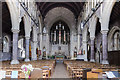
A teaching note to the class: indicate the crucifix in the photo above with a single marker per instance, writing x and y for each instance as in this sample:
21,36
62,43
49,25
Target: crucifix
59,36
60,33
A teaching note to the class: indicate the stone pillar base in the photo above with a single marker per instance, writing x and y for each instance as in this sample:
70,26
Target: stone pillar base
72,58
46,57
105,62
92,60
85,59
14,62
27,60
34,59
40,58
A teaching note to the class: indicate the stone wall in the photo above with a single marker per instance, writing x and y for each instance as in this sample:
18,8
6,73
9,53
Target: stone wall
114,57
5,56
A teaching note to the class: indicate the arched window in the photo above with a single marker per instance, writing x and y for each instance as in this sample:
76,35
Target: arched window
116,41
60,33
5,44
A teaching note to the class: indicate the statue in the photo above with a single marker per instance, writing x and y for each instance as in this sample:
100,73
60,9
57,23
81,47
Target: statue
44,53
75,52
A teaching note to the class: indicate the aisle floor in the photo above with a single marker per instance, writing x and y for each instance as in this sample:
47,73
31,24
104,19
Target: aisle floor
60,71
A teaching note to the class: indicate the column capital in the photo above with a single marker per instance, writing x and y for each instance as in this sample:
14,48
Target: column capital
34,27
27,37
39,33
84,41
35,41
104,31
80,34
15,30
92,38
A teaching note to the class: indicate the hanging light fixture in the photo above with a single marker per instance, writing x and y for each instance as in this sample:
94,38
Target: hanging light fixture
63,27
56,27
60,24
44,30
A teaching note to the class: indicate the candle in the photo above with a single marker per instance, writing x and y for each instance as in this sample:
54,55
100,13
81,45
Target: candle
60,37
63,27
54,35
51,36
56,27
60,25
64,36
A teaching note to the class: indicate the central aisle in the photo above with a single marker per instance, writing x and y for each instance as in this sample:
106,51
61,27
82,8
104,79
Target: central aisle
60,71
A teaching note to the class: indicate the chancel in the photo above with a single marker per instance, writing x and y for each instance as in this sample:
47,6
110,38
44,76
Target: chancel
59,39
59,36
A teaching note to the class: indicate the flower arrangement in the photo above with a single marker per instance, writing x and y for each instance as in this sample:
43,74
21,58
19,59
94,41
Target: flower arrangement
27,69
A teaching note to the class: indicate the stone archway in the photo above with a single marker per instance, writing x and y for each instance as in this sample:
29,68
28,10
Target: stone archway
6,32
21,40
14,14
98,42
6,44
106,14
64,14
60,38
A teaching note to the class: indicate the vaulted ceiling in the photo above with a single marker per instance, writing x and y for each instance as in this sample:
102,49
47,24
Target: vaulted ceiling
45,7
75,7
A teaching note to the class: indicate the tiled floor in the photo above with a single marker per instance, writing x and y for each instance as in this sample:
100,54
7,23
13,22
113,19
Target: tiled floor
60,71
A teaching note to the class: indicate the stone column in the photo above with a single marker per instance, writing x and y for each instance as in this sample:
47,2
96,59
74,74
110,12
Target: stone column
105,46
40,38
92,50
27,49
47,45
0,34
79,46
34,55
71,46
34,46
85,50
15,47
0,26
80,40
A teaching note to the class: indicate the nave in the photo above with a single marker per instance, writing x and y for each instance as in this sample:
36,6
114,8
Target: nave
32,33
60,71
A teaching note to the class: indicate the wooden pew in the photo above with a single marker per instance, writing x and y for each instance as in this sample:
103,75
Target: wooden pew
75,68
36,64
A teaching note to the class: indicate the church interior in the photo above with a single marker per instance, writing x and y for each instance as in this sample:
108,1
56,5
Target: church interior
60,39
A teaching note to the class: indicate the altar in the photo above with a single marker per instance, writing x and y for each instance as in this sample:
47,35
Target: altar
59,57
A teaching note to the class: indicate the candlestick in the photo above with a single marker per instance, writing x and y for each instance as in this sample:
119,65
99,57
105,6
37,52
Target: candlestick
64,36
60,37
63,27
56,27
54,35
